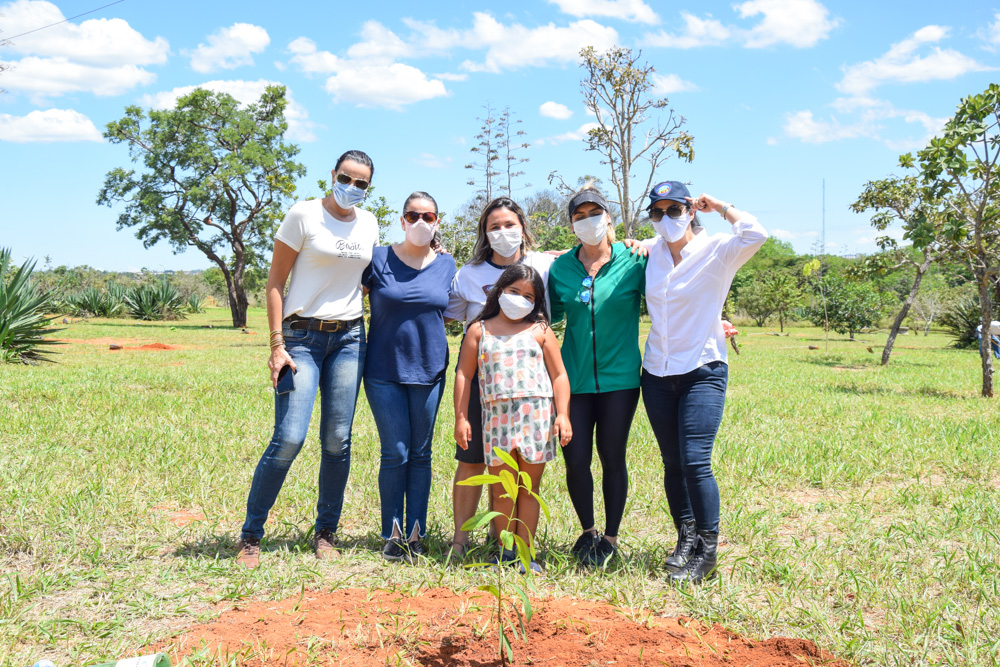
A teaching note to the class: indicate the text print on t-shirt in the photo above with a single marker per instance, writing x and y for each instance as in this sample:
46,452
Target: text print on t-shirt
486,289
349,249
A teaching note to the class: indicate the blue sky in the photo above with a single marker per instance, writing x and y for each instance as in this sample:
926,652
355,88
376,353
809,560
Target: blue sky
779,95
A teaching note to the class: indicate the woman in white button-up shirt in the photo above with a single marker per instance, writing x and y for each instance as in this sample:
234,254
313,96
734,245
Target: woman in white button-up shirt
684,369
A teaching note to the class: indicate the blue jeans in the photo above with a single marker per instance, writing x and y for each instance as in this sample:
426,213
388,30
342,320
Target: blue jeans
685,412
404,416
994,344
331,363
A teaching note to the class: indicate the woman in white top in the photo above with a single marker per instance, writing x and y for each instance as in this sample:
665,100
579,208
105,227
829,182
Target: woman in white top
317,344
684,368
504,238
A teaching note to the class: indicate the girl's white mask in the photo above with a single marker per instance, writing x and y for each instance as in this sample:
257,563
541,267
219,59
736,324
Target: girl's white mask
515,306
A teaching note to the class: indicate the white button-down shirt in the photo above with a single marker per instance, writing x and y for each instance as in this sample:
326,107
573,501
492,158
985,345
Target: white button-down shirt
685,301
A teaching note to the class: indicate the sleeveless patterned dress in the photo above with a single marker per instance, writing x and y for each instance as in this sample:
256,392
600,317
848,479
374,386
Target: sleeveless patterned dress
518,412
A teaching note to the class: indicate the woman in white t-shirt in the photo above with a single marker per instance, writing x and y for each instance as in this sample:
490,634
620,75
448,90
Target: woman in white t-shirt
504,238
317,344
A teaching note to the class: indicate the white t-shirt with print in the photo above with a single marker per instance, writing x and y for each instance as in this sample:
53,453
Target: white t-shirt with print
325,280
472,283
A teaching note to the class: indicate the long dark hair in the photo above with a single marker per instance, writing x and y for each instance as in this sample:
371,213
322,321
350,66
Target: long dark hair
511,275
482,250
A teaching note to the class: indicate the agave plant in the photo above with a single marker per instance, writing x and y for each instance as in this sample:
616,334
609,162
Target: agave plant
195,304
961,320
154,302
23,314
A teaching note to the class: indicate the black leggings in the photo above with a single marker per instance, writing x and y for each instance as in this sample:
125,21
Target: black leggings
611,413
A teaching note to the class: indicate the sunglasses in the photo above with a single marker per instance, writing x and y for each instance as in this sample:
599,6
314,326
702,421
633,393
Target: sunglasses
588,290
413,216
674,212
344,179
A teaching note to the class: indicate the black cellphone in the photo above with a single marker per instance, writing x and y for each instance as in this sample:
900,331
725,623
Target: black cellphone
286,380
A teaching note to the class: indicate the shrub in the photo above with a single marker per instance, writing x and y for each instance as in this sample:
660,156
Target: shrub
961,319
97,303
155,302
23,314
195,304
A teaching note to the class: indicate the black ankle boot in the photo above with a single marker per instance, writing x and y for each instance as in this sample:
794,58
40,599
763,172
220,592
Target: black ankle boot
703,561
686,536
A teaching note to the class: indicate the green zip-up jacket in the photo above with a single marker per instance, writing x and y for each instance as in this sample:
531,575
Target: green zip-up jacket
601,345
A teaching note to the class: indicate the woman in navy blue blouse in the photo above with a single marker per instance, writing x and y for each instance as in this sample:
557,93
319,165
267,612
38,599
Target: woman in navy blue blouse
405,370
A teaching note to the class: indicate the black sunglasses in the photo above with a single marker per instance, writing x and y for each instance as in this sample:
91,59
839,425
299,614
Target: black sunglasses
674,212
344,179
413,216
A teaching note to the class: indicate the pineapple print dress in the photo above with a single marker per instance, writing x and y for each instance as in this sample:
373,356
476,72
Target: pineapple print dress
518,412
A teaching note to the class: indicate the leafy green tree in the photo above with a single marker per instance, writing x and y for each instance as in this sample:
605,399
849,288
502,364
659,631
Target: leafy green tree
960,169
755,300
901,200
851,306
634,128
215,176
785,293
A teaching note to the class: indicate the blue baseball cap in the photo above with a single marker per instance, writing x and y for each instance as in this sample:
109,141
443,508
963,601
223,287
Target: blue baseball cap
672,190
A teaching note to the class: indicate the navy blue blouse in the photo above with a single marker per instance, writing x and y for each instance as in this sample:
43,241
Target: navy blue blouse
406,338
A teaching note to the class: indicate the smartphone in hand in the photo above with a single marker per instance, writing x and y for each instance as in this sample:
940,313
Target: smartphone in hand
286,380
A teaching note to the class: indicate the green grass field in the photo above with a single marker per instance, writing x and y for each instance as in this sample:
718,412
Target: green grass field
860,503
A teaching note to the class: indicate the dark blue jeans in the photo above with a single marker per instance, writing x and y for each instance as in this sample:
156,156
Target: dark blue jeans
331,363
685,412
404,416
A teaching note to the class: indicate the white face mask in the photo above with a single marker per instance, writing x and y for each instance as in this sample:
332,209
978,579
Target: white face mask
670,229
419,233
591,230
505,241
347,195
515,306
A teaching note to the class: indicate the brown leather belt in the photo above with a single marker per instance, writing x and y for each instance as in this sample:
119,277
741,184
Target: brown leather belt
313,324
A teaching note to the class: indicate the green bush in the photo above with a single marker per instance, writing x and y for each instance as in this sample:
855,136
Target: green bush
195,304
961,320
23,314
97,303
155,302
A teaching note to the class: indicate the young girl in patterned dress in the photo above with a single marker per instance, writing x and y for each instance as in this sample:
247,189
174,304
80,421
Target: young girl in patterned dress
524,388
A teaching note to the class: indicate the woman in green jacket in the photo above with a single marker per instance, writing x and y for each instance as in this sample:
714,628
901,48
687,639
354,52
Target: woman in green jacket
597,287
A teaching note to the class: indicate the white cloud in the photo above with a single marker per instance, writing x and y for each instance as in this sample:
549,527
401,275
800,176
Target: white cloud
451,77
308,59
991,34
380,45
785,235
628,10
391,86
513,46
229,48
671,83
52,77
804,127
697,32
49,125
555,110
798,23
801,23
576,135
109,42
300,128
903,64
432,161
870,116
99,56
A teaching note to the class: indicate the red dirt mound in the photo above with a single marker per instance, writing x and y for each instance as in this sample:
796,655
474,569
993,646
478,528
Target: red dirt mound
156,346
440,627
